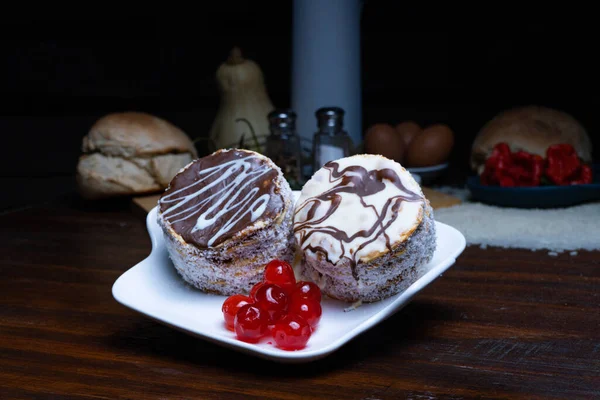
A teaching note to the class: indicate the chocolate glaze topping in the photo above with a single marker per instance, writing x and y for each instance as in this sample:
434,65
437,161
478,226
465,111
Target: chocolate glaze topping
358,181
221,194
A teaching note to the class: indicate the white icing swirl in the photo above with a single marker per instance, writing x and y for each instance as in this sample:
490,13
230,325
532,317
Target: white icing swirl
224,189
353,216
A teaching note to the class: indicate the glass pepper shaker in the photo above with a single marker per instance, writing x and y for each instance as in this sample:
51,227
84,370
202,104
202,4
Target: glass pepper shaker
331,141
283,146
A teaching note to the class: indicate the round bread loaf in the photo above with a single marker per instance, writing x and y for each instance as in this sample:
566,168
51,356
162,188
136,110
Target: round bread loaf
364,229
532,129
131,153
225,216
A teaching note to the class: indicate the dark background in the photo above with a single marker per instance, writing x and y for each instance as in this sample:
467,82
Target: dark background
61,72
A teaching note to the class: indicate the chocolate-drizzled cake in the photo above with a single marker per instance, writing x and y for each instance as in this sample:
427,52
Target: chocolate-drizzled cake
225,216
364,228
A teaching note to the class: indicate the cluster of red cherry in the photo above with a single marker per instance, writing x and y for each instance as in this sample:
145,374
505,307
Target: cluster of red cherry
278,305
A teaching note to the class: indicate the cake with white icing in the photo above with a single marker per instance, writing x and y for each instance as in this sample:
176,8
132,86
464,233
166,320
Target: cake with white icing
225,216
364,228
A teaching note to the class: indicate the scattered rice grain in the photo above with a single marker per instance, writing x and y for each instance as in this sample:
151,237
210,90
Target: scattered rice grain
353,306
556,230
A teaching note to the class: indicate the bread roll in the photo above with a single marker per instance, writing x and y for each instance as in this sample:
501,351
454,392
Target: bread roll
532,129
131,153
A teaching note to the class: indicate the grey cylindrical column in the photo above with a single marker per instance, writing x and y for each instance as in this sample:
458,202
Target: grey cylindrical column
326,63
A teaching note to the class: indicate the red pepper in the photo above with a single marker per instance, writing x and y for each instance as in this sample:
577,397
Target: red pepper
527,168
508,169
502,149
562,164
584,176
507,181
496,167
538,169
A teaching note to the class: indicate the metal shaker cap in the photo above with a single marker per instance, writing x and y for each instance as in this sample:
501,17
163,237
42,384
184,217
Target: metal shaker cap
330,118
282,119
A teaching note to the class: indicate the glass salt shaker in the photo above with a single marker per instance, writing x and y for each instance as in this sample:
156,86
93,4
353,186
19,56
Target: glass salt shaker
331,141
283,146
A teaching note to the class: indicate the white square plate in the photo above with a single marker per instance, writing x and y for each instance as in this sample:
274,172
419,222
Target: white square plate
153,288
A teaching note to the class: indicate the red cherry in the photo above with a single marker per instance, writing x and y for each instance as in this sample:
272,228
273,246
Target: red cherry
255,288
308,309
280,273
230,307
250,323
307,290
291,332
272,299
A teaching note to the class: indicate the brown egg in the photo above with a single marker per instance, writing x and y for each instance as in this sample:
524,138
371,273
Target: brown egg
384,140
430,147
408,130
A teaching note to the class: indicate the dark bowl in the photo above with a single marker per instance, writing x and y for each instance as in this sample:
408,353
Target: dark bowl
429,174
536,197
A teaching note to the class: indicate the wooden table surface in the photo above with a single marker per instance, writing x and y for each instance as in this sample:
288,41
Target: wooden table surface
500,324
